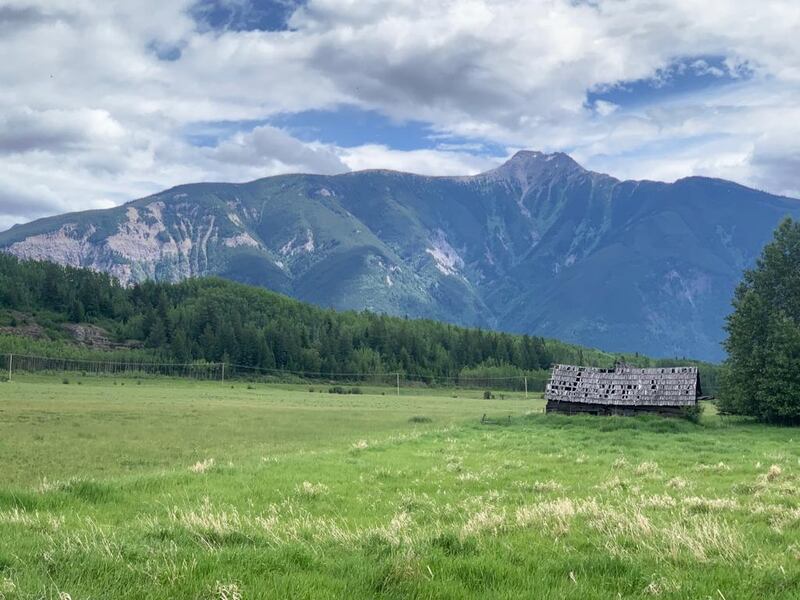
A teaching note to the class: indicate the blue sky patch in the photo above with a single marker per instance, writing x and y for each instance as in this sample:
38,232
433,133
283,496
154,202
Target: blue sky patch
351,126
245,15
685,76
346,126
167,52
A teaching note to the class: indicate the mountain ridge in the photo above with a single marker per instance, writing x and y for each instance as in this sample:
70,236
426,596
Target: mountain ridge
537,245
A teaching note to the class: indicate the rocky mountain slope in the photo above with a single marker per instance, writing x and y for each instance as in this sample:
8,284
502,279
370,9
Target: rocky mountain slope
538,245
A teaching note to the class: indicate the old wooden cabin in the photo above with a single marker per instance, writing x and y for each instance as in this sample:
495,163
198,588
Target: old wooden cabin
622,390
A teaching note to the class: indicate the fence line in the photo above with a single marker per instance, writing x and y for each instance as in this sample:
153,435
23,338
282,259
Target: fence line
11,363
523,383
405,376
27,363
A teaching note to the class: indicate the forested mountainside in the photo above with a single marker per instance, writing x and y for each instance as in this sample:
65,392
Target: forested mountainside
213,319
539,246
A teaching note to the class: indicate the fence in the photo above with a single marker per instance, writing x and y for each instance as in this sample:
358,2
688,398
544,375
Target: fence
519,383
11,364
23,363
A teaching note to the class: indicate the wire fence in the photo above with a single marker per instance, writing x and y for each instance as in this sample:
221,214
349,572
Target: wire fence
11,364
14,364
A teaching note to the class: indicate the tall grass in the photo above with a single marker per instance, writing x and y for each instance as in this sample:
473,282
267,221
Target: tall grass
324,496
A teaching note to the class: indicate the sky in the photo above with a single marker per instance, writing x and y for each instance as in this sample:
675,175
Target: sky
105,101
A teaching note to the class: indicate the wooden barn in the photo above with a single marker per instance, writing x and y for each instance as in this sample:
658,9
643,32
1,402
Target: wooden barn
623,390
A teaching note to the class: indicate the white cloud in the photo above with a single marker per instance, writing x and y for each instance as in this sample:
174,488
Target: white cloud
423,162
605,108
271,149
89,114
23,129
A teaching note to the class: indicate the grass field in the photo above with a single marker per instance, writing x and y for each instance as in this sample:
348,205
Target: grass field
170,489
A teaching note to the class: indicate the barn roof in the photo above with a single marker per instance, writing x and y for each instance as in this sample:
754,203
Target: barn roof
624,385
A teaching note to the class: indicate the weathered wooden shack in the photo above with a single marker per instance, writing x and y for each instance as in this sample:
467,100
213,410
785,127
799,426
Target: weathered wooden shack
622,390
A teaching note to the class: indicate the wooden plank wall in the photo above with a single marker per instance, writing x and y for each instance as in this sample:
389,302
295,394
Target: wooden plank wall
627,386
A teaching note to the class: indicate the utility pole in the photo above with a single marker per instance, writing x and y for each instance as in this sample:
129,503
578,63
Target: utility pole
526,387
398,383
223,373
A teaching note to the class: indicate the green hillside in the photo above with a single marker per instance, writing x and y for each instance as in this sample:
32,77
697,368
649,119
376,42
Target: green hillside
211,319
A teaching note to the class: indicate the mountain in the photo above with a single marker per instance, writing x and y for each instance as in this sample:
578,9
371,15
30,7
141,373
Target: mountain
537,245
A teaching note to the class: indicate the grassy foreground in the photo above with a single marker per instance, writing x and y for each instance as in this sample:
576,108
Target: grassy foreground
194,490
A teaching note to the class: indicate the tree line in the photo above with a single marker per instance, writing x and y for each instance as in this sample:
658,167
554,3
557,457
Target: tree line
215,320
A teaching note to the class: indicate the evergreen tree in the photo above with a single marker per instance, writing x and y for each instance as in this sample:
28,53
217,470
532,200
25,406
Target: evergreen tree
157,336
762,374
181,349
77,314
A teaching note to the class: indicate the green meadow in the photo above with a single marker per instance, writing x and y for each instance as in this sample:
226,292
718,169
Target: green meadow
173,489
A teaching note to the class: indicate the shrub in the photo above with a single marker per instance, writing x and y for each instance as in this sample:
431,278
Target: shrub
65,381
338,389
488,395
692,413
420,419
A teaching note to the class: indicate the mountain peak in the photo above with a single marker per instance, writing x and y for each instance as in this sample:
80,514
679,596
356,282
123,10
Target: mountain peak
539,156
534,158
528,165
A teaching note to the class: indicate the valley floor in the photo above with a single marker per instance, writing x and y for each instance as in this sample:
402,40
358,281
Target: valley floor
168,489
